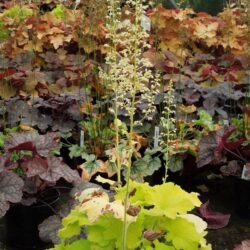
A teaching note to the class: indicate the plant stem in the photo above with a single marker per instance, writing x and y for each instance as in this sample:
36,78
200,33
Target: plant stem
133,90
114,52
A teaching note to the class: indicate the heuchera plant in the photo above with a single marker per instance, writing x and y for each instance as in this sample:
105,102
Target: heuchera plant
158,218
28,166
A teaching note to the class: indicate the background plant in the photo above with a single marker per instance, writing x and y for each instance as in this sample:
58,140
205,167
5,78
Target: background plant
28,166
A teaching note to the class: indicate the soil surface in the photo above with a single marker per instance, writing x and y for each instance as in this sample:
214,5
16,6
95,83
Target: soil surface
229,196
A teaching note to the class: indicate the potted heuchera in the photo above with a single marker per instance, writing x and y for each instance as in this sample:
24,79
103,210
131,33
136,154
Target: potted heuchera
29,172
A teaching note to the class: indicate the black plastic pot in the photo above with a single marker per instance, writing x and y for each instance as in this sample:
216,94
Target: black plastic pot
243,198
22,221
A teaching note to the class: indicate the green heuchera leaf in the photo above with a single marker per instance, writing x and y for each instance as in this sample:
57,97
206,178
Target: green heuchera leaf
90,166
18,13
167,199
75,151
162,211
59,11
75,245
2,136
4,34
101,230
159,246
205,120
176,162
145,167
73,223
183,234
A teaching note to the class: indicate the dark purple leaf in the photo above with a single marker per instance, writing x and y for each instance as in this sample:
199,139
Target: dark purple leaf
207,149
63,125
66,208
226,144
46,143
210,105
225,91
191,96
11,186
4,205
222,114
48,229
42,144
17,139
2,163
30,185
58,169
28,201
233,168
10,190
35,166
74,111
16,110
24,146
215,220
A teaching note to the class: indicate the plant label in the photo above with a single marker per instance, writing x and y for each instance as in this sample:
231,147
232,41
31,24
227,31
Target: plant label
246,172
156,137
82,138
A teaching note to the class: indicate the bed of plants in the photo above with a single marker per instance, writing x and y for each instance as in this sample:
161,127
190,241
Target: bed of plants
106,107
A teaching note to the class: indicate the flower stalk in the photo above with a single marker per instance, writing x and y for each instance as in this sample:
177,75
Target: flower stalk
130,78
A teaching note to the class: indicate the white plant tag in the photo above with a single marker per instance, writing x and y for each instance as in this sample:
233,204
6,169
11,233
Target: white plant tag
82,138
226,122
145,23
246,173
156,137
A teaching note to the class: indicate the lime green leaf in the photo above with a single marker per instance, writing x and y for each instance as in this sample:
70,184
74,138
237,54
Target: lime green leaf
73,223
70,231
4,34
134,234
18,13
200,225
2,139
183,234
205,120
176,201
162,246
79,244
100,179
59,11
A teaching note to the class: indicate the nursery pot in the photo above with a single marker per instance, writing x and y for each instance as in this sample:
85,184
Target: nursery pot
243,198
22,221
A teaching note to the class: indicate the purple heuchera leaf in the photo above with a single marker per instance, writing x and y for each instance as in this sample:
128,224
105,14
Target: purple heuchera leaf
191,96
40,144
207,149
10,190
35,166
225,144
4,205
233,168
215,220
2,163
58,169
48,229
